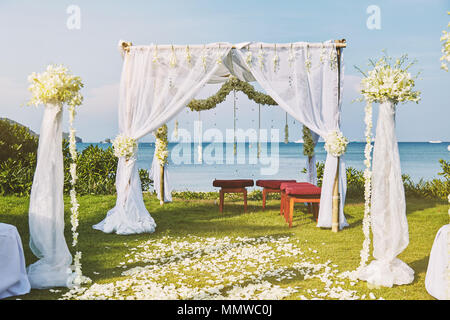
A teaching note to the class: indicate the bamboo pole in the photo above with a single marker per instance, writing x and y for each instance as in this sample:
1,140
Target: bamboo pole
161,184
335,203
335,214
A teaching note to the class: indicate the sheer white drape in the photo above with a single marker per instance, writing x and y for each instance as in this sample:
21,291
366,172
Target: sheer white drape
388,207
311,170
155,176
157,82
303,79
46,211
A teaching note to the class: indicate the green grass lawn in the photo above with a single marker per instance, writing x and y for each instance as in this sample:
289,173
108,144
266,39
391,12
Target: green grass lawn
102,253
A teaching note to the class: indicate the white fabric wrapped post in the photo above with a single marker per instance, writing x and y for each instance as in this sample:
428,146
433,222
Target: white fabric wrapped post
46,211
303,79
157,82
388,217
155,176
13,274
436,281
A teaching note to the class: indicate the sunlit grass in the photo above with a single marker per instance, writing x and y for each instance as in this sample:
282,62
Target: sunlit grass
104,253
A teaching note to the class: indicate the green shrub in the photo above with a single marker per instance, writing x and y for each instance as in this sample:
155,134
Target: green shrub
16,142
433,189
96,167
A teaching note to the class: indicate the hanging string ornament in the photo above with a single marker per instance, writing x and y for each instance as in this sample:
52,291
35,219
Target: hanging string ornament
175,130
286,131
259,131
200,144
234,122
308,142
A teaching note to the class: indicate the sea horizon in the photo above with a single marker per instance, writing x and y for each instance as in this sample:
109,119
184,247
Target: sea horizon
420,160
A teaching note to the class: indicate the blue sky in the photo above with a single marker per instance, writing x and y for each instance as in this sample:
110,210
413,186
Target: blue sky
34,34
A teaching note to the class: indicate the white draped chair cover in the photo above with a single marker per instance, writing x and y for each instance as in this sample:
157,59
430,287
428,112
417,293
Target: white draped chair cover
157,83
304,80
436,279
388,207
46,210
155,176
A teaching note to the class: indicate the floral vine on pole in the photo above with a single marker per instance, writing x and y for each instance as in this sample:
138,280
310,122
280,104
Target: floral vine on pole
445,48
161,144
58,86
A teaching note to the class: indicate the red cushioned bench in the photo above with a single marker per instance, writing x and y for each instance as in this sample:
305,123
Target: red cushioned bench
299,192
270,186
233,186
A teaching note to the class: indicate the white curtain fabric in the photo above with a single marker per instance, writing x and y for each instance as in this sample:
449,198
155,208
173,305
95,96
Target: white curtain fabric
436,281
311,170
155,176
303,79
13,275
46,210
388,207
157,83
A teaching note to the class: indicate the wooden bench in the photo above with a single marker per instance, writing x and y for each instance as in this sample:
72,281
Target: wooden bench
270,186
304,192
233,186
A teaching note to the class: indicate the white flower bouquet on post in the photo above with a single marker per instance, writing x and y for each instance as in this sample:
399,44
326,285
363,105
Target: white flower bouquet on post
336,143
388,83
54,88
124,146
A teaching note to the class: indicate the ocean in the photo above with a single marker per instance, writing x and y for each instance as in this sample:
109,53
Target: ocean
420,160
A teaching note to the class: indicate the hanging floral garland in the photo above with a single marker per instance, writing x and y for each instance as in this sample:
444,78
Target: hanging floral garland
233,83
58,86
286,131
445,48
386,81
175,130
308,142
161,145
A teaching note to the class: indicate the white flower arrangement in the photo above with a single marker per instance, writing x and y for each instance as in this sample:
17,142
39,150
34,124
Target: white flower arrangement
55,86
124,146
445,48
389,81
161,145
336,143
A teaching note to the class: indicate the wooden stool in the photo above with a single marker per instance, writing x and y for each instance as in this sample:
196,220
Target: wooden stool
232,186
306,193
283,187
270,186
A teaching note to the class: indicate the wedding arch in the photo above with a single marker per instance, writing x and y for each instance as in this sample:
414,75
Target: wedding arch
158,81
